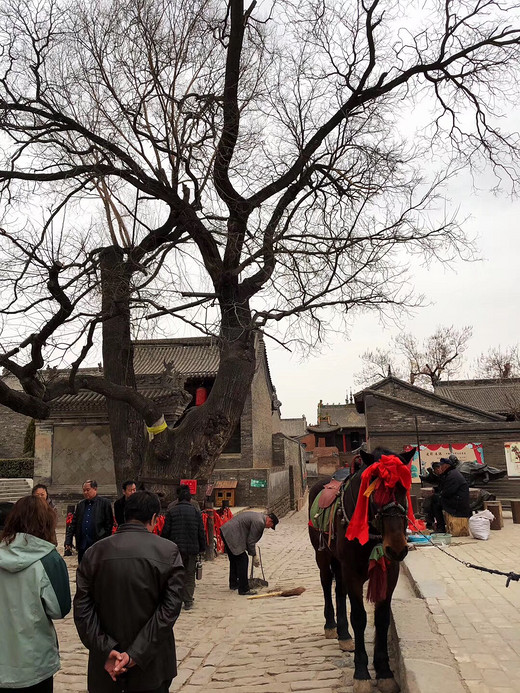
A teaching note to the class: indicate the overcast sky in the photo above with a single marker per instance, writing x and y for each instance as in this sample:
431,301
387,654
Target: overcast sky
483,294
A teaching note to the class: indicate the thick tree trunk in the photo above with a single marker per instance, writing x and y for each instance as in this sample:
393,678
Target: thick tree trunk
192,449
126,424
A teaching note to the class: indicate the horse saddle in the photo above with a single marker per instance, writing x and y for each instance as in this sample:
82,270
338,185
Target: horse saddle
330,493
341,474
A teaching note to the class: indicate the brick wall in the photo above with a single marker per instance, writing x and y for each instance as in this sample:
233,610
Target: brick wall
82,452
288,453
274,497
262,424
12,432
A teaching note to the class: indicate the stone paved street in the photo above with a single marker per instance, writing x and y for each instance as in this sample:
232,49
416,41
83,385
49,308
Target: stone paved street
478,617
229,643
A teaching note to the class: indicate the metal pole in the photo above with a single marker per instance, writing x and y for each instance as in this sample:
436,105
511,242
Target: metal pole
418,445
210,547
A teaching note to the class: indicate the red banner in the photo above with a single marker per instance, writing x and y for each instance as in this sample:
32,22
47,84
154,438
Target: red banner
192,484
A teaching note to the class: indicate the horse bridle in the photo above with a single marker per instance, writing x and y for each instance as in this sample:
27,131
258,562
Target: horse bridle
392,509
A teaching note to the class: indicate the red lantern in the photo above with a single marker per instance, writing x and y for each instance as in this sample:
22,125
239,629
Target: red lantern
201,395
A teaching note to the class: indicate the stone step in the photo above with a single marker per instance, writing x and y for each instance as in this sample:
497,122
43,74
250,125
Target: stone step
13,489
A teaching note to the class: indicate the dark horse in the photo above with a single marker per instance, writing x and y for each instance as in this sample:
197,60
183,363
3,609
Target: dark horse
348,561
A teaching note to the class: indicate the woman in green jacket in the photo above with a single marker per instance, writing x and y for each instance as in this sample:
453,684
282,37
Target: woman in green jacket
34,588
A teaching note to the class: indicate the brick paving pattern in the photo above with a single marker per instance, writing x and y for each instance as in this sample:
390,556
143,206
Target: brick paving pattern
229,643
474,611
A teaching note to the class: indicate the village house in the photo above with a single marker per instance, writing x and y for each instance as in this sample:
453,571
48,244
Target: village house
474,419
451,419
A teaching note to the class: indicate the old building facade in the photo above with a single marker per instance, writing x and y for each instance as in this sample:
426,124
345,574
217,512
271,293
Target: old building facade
74,443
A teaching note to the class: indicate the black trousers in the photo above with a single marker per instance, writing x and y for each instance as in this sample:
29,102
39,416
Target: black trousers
190,563
238,570
437,513
46,686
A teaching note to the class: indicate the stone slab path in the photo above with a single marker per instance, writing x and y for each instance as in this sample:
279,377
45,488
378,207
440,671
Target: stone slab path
478,617
229,643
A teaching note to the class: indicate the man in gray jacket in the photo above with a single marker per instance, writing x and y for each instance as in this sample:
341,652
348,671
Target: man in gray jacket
240,536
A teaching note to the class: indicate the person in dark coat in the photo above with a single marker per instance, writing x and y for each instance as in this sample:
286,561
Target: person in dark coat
183,525
129,488
128,598
240,535
181,489
92,520
452,494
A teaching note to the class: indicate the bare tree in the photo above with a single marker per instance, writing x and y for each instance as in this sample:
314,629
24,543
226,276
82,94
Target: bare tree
439,356
498,363
270,165
377,365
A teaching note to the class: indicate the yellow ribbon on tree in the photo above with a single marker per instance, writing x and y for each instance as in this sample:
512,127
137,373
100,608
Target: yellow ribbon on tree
158,428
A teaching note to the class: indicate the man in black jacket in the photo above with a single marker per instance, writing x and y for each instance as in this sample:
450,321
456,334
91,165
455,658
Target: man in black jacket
129,488
92,520
183,525
452,494
127,599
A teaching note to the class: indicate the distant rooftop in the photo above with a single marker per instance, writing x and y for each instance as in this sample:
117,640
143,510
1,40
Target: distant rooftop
294,428
340,415
497,396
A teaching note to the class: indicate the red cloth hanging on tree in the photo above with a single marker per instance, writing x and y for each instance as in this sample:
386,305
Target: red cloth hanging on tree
218,520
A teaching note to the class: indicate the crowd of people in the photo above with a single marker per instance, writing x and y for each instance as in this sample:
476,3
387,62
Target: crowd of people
130,584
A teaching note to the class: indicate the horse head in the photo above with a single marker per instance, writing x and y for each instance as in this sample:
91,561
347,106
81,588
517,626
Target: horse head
388,491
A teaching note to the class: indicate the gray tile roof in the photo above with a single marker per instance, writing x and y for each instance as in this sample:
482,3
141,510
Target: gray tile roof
85,400
191,357
497,396
343,415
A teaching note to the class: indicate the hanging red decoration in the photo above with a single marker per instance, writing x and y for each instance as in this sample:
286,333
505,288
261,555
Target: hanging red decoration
201,395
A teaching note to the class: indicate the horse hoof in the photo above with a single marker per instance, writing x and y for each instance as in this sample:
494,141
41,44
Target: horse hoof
387,686
331,633
362,686
347,645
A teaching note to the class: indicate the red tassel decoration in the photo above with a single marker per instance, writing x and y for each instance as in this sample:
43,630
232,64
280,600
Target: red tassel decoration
377,575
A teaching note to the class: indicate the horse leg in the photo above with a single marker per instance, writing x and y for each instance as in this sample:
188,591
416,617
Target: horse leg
358,619
345,639
323,560
385,678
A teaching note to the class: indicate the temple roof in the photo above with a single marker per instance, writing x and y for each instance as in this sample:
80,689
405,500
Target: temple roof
497,396
195,357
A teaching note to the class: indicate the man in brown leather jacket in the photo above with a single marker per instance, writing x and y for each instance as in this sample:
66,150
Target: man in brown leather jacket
127,599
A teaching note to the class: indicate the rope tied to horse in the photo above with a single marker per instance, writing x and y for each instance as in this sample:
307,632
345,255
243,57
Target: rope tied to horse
511,576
